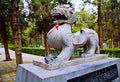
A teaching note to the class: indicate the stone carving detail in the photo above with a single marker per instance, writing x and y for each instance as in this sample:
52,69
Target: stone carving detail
61,38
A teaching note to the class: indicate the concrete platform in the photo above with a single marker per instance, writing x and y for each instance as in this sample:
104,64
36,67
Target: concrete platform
105,70
73,61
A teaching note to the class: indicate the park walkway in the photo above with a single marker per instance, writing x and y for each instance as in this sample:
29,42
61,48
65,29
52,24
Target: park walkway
8,68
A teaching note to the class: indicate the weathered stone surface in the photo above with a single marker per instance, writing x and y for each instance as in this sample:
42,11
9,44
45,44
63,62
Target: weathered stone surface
32,73
61,38
72,62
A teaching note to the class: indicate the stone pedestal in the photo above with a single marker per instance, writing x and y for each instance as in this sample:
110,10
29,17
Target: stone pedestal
73,61
105,70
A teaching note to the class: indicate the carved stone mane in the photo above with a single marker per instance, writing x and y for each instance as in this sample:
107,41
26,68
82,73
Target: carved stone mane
64,13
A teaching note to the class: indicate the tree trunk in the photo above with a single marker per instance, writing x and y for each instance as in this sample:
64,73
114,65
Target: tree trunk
112,38
47,47
42,41
100,24
3,29
16,31
118,44
5,39
113,21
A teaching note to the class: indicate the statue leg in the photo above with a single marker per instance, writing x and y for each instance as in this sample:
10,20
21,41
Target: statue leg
66,51
90,47
65,54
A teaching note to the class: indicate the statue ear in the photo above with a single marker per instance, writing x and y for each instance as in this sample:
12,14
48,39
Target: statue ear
73,18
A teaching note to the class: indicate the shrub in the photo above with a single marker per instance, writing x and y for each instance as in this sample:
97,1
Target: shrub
41,51
111,52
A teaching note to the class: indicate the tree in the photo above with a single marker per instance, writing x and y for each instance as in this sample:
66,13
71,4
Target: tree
85,20
42,17
110,22
30,36
4,19
114,20
16,30
44,21
100,24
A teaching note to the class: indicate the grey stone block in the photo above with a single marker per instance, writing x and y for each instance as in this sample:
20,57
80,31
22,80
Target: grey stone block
74,61
32,73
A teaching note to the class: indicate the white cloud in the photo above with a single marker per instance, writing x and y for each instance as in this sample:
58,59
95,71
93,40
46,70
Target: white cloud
26,7
79,4
90,8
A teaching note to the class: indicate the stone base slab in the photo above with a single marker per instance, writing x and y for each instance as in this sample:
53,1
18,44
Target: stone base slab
33,73
72,62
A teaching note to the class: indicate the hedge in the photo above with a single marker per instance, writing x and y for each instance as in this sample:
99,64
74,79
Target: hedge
111,52
35,51
41,51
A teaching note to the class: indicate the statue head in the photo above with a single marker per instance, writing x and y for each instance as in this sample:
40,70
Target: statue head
64,12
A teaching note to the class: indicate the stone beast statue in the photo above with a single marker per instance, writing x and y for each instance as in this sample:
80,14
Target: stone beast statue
61,38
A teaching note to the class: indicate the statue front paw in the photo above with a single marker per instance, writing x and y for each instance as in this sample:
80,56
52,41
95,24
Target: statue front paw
50,58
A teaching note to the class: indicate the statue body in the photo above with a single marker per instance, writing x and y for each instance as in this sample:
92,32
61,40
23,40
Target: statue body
64,40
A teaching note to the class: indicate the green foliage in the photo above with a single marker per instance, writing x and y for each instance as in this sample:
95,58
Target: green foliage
36,24
111,52
35,51
36,2
31,26
11,45
42,8
84,20
31,35
110,22
41,51
5,9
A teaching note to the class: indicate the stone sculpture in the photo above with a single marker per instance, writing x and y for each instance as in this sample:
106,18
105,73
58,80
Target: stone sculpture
61,38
